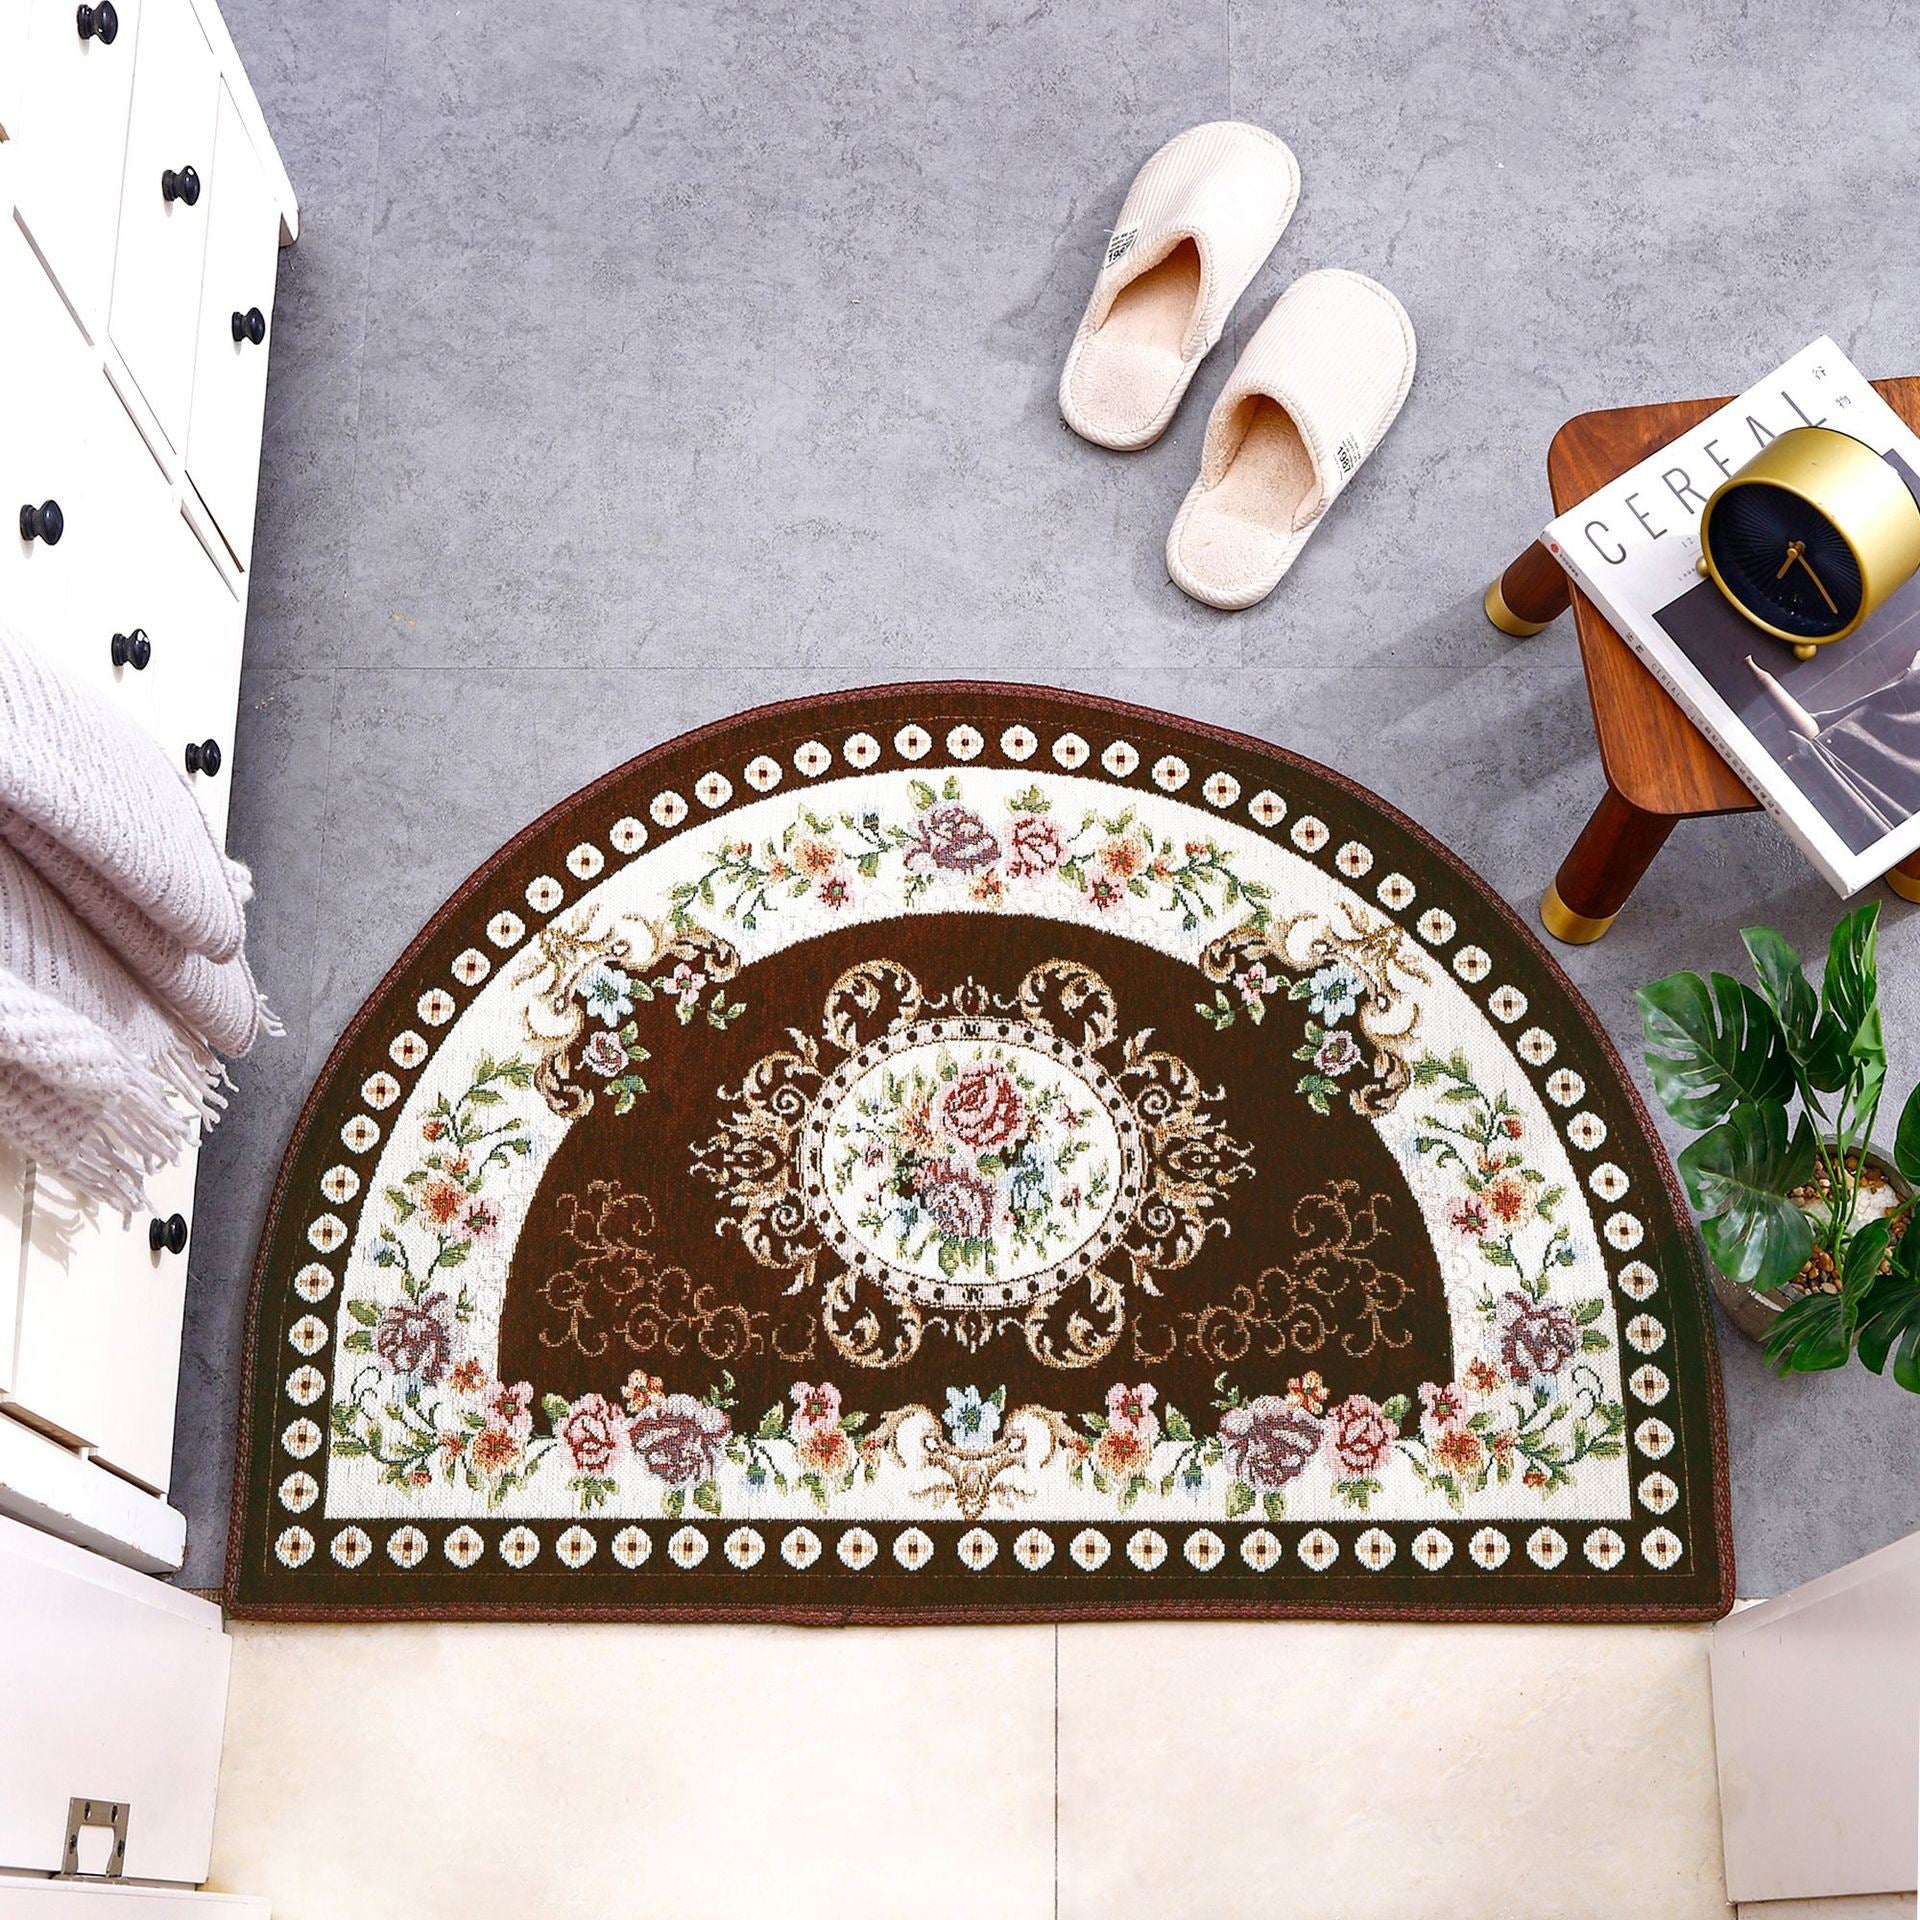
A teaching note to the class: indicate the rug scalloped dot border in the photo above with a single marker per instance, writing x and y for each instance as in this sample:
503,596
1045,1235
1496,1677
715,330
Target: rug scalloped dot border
971,1152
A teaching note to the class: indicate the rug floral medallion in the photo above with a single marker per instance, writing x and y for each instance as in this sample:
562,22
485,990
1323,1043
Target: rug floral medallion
973,1152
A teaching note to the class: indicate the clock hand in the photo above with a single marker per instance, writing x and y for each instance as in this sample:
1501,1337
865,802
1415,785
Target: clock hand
1801,556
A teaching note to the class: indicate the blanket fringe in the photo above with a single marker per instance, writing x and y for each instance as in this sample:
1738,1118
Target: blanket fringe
126,1142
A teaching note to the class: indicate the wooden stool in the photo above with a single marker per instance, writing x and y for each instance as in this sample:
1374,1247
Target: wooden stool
1659,768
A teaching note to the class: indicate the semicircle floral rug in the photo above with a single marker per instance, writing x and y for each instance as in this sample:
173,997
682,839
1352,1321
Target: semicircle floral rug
972,1152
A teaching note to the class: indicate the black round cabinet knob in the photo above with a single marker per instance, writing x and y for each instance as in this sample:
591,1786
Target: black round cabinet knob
183,186
132,649
168,1235
98,23
203,756
251,325
44,522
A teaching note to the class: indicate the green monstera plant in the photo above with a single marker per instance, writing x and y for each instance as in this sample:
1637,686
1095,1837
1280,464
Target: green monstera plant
1783,1085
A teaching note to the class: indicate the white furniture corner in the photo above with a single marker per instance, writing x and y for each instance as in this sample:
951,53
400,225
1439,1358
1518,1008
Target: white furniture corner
142,206
116,1690
1816,1710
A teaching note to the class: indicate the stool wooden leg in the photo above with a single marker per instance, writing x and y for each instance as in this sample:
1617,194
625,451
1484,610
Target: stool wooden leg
1905,878
1614,849
1530,595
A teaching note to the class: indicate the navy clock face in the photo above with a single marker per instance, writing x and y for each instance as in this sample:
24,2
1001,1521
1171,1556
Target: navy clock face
1784,561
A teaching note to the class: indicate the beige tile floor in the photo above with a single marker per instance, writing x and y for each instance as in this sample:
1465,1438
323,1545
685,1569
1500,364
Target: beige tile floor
1339,1772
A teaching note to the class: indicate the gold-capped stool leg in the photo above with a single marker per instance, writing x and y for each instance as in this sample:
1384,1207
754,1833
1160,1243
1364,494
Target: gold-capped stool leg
1504,617
1904,879
1529,596
1574,929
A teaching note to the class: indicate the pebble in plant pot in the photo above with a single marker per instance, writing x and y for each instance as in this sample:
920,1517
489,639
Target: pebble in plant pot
1804,1219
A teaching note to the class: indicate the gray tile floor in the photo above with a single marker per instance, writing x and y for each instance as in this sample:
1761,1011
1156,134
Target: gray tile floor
641,362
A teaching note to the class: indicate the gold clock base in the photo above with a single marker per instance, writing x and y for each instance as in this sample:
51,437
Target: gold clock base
1906,885
1805,653
1504,617
1575,929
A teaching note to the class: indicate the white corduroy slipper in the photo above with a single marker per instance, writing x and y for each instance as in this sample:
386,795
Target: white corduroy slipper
1312,396
1199,219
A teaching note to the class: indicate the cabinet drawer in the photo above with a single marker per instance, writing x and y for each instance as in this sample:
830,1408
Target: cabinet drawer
70,102
142,1356
230,379
43,455
116,525
189,690
201,697
163,240
97,1356
129,565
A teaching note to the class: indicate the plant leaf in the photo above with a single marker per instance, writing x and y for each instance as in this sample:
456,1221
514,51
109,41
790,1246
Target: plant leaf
1710,1047
1784,988
1890,1322
1813,1335
1906,1142
1850,1039
1738,1176
1860,1264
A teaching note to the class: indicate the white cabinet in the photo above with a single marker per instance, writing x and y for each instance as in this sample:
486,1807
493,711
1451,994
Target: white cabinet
115,507
236,318
72,94
198,690
1816,1718
42,454
147,208
165,205
99,1330
115,1690
97,1342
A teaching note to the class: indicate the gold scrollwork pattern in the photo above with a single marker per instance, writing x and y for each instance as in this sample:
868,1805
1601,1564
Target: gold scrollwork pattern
973,1479
562,953
613,1289
1177,1175
1377,950
1332,1290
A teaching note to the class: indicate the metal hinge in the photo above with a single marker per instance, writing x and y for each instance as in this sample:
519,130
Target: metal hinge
108,1814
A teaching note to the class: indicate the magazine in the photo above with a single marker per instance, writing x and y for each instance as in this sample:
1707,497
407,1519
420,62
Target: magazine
1831,745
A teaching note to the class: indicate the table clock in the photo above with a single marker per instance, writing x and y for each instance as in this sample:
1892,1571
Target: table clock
1810,536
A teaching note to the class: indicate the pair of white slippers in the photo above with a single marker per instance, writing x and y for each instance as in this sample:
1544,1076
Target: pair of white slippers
1313,394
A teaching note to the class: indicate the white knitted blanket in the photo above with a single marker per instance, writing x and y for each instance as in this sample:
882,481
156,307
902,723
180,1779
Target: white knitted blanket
122,921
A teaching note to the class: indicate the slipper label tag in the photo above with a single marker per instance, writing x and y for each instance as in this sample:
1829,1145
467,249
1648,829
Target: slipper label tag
1120,245
1347,453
